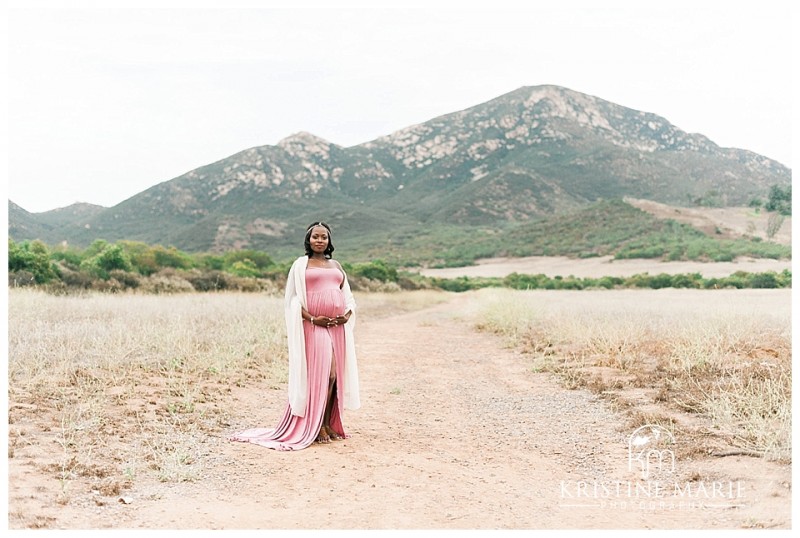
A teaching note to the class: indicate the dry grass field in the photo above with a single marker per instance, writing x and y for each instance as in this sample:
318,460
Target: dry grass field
110,395
715,365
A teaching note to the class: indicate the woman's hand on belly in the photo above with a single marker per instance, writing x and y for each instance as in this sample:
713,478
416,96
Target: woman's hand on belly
342,319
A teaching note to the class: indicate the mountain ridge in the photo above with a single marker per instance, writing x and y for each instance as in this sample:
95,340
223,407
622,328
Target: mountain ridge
531,153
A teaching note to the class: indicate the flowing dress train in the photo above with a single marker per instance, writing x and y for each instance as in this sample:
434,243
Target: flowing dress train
323,345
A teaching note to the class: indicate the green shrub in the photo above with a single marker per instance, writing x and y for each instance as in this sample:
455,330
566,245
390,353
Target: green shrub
609,282
454,284
374,270
522,282
259,260
171,257
244,268
764,280
31,257
209,261
108,258
780,200
66,257
693,280
785,278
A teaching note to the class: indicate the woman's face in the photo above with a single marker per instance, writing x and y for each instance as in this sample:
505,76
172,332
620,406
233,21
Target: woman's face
319,239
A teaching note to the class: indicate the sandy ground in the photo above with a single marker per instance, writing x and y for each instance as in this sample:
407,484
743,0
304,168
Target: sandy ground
604,266
723,222
455,432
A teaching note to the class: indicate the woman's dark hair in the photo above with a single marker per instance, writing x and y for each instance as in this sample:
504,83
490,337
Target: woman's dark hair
307,243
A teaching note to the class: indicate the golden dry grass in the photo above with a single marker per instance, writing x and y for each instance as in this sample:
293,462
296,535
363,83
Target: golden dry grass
113,387
714,364
135,375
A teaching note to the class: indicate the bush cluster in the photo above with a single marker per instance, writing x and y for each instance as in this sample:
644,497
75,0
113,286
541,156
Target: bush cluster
780,200
132,265
128,265
740,279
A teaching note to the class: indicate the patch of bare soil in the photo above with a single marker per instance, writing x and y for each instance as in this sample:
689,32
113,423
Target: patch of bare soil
722,222
456,431
601,266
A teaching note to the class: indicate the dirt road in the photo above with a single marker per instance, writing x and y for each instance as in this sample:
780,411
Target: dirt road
455,432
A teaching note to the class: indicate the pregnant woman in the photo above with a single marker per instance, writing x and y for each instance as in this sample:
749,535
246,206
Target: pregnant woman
323,375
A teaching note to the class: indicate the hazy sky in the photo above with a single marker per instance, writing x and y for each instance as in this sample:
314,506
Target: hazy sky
104,103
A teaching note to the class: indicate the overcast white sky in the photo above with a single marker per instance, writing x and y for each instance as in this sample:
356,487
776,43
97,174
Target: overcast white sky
104,103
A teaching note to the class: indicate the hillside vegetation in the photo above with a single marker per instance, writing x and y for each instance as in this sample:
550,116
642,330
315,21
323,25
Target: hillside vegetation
605,228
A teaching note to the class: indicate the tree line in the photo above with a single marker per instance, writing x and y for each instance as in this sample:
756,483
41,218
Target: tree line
739,280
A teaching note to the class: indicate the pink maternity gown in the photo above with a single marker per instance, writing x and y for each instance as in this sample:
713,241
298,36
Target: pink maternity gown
324,297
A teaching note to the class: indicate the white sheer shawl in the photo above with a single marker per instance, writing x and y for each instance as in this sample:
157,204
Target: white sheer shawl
295,301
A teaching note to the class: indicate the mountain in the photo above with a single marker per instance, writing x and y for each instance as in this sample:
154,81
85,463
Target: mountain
25,225
533,153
